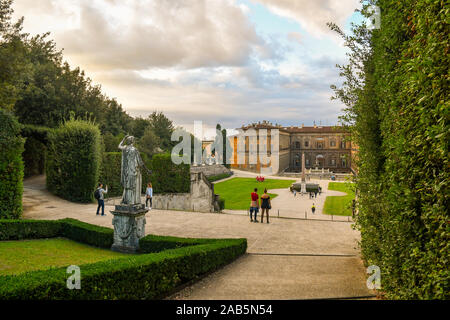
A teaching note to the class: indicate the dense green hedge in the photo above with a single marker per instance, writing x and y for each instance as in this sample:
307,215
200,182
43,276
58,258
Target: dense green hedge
68,228
29,229
87,233
400,122
152,243
73,160
168,177
11,166
110,173
35,149
219,177
145,276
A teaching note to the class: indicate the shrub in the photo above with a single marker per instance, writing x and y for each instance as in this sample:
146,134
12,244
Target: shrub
219,177
398,110
29,229
152,243
73,160
145,276
87,233
168,177
11,166
35,149
110,173
221,204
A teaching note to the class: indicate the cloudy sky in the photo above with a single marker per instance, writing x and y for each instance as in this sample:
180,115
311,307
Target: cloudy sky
227,61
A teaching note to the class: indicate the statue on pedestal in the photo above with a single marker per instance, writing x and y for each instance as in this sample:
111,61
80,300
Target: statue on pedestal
131,178
129,217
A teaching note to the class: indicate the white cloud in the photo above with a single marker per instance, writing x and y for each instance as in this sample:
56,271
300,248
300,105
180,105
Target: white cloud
142,34
313,15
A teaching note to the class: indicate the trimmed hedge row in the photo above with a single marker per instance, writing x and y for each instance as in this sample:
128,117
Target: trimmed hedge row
68,228
11,166
145,276
29,229
152,243
87,233
168,177
73,160
219,177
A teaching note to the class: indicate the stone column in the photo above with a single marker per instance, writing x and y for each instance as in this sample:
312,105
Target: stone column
129,226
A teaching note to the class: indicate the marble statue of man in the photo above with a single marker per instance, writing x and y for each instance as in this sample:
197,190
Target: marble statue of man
131,178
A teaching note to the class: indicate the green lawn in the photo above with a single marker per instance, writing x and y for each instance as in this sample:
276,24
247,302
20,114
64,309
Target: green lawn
339,205
28,255
236,191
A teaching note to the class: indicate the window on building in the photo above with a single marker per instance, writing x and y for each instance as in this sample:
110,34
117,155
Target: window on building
344,162
306,143
307,162
342,144
319,145
297,145
332,143
333,162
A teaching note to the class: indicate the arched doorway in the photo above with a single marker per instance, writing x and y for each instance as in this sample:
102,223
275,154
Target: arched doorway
320,161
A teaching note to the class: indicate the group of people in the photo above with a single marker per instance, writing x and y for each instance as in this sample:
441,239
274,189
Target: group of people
258,202
99,195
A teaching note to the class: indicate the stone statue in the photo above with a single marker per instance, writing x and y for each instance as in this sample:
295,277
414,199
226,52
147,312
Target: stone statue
129,217
131,178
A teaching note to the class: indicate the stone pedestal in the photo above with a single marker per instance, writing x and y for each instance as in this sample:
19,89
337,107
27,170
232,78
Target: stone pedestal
129,227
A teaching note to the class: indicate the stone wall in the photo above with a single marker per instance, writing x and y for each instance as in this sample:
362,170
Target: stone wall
200,199
211,170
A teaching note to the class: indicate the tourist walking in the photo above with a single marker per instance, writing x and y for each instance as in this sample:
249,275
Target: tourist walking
149,196
313,208
265,206
254,205
295,192
99,196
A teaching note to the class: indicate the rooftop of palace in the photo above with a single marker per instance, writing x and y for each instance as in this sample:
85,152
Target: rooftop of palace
294,129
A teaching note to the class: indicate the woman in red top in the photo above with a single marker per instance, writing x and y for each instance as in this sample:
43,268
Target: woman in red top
254,205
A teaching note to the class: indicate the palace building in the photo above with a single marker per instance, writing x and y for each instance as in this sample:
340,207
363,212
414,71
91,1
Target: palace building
325,147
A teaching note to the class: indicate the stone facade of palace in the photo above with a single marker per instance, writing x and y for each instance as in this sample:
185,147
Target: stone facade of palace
325,147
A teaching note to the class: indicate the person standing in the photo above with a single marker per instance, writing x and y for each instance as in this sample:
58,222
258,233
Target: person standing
99,195
254,205
295,192
149,195
313,208
265,205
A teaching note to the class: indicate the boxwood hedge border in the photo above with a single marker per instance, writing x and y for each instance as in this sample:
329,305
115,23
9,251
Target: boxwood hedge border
164,263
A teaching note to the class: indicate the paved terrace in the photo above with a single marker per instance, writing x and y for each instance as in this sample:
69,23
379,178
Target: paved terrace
286,259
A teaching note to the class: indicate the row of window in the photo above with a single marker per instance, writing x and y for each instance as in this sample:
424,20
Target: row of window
331,162
319,144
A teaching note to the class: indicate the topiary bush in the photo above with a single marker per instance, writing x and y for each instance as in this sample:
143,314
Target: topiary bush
168,177
73,160
11,166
